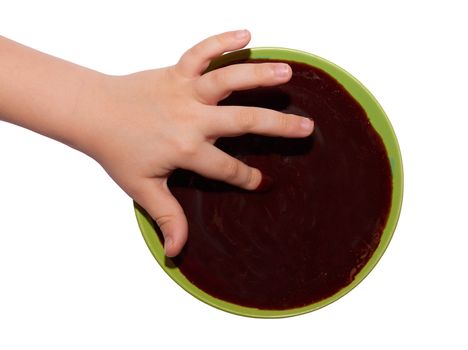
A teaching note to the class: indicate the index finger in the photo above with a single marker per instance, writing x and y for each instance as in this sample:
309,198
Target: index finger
195,61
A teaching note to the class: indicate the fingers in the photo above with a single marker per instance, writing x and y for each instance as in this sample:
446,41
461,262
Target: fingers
213,163
196,60
236,120
157,200
218,84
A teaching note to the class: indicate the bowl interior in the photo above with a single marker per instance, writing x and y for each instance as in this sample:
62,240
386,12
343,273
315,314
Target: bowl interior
380,123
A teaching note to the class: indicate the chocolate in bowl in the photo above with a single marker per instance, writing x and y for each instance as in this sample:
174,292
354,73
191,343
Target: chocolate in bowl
308,239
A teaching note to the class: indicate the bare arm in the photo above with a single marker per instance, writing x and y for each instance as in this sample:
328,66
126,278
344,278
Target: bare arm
40,92
142,126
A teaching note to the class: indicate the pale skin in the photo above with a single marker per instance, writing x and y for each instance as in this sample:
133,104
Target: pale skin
140,127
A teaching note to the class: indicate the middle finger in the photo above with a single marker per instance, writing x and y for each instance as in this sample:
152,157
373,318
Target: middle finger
238,120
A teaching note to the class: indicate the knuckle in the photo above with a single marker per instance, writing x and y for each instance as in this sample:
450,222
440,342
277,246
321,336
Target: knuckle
163,220
247,119
231,169
284,122
196,50
219,41
263,71
259,71
187,148
250,179
220,76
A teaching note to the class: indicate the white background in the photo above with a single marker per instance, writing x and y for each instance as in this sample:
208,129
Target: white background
74,270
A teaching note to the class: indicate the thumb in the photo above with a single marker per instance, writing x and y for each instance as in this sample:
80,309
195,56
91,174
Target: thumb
162,206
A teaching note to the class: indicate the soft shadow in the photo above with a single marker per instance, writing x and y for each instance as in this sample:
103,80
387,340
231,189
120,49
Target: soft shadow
169,263
248,145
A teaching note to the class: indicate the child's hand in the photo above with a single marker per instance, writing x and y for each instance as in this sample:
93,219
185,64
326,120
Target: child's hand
149,123
142,126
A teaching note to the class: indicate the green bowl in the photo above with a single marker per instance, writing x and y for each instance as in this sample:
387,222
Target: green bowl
380,123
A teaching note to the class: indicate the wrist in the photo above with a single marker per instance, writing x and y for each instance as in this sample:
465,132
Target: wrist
86,117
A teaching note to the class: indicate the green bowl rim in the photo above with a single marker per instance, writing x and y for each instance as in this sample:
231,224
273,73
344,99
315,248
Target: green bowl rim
381,124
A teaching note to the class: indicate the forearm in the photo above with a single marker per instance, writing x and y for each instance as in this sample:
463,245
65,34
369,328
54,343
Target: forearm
41,92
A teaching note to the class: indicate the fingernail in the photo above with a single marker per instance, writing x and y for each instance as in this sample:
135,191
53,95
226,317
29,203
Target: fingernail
307,124
281,70
242,34
265,184
167,244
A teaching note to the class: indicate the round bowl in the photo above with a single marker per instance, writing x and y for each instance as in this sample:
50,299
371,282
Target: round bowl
380,123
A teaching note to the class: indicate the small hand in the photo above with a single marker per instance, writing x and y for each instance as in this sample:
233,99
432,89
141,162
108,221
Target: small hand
149,123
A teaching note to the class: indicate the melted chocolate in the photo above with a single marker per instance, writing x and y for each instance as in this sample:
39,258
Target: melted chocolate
307,236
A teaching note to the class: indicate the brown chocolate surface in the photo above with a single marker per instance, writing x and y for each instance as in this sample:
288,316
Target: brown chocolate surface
306,237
